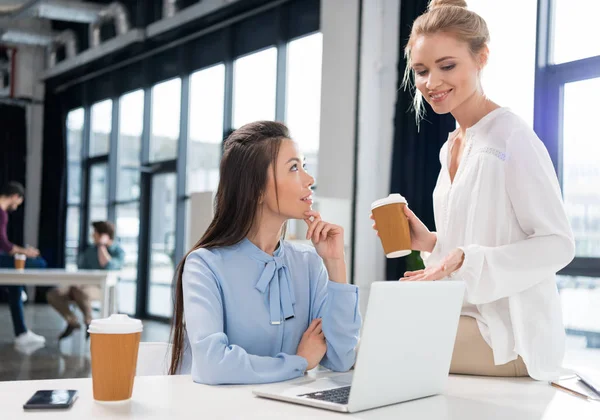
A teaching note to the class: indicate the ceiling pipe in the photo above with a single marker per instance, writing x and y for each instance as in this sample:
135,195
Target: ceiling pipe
68,39
115,12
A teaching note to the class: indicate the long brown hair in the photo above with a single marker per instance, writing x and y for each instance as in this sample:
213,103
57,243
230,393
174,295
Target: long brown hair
248,153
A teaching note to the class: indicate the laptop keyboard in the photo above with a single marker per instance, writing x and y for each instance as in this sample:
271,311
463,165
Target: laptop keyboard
335,395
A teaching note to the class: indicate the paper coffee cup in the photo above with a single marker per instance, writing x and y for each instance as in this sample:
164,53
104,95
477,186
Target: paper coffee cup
114,350
20,260
392,225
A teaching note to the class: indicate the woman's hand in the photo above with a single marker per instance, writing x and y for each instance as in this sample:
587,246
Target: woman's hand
313,345
421,238
327,238
449,265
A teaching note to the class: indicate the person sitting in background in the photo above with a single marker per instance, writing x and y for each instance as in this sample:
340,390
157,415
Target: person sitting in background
11,197
104,254
251,307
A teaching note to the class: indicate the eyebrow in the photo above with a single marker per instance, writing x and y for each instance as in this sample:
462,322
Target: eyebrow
439,60
294,159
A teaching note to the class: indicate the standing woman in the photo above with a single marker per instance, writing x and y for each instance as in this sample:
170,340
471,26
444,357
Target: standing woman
500,219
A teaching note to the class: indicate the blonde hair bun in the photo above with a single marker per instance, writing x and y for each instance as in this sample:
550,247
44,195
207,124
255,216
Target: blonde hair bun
434,4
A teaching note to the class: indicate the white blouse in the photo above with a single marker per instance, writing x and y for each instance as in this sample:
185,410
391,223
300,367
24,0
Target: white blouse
505,211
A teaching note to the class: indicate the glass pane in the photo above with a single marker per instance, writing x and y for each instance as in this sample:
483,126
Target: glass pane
75,120
74,182
254,82
580,299
508,45
162,251
575,28
75,133
207,98
127,233
131,122
166,110
98,193
72,238
303,108
101,128
581,165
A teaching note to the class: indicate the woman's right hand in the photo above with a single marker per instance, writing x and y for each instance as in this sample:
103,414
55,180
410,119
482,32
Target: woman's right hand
421,238
313,346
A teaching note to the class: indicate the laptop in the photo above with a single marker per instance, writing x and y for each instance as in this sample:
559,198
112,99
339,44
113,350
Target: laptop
405,351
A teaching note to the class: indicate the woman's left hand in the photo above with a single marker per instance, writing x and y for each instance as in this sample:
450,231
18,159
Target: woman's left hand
448,266
327,238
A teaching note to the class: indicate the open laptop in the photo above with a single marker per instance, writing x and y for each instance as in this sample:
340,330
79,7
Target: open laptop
405,351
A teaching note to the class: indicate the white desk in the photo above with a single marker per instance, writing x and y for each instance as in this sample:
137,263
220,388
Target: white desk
105,279
177,397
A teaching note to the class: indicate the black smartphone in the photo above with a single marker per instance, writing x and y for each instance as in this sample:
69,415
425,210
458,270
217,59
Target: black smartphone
51,399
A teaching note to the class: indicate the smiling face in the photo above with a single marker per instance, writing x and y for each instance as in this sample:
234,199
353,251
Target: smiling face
290,196
446,72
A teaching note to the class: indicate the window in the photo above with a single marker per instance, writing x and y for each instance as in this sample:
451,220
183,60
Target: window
512,53
101,128
254,82
141,177
98,193
75,124
303,108
576,31
565,119
207,96
581,165
166,107
131,122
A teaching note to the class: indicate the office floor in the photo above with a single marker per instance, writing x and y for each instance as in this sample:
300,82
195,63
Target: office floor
70,357
67,359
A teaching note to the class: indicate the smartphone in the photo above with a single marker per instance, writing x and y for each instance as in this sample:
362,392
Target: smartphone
51,399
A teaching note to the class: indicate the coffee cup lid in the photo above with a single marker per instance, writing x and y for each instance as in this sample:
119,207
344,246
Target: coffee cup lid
390,199
115,324
20,256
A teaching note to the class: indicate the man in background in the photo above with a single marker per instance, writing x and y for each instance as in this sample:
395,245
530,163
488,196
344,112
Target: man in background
11,197
104,254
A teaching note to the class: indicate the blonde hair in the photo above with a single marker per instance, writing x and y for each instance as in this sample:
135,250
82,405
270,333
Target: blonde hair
448,16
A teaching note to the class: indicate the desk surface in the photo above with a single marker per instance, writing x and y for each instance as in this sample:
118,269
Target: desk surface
167,397
54,272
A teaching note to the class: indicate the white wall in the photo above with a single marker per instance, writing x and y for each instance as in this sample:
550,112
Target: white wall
378,80
334,195
378,60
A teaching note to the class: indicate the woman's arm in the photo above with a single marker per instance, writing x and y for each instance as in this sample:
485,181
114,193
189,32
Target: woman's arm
491,273
336,302
215,361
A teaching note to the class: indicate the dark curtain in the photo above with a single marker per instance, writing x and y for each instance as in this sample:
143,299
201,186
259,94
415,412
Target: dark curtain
415,158
51,238
13,156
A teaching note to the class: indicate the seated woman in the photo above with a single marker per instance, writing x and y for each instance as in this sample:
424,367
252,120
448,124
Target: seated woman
251,307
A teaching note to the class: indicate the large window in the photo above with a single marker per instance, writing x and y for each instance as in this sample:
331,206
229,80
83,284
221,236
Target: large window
254,82
508,78
207,96
166,105
75,127
143,151
303,108
568,82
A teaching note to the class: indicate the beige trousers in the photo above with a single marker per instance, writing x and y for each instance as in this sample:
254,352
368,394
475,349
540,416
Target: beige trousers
473,356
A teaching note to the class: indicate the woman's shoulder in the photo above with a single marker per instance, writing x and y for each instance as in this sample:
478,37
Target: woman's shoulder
505,126
212,256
